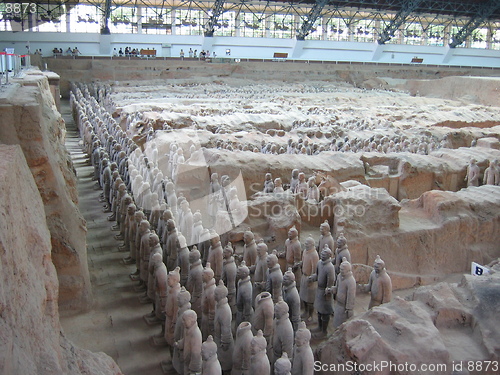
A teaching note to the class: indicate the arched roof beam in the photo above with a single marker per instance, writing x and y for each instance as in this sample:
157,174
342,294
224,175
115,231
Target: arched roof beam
407,8
213,19
311,18
484,12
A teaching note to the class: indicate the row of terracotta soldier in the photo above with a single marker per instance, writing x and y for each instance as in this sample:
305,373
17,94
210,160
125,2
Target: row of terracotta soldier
263,299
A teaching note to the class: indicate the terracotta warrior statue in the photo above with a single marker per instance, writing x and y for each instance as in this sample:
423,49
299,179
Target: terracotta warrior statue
204,245
186,222
155,259
259,362
210,364
208,302
263,316
302,187
161,286
244,295
342,251
197,228
215,256
171,305
249,249
135,242
345,294
293,252
171,197
260,270
183,259
303,357
278,186
308,285
214,197
491,174
283,366
242,349
129,237
172,246
229,271
190,344
291,297
177,363
472,176
222,328
195,280
144,252
325,237
312,190
268,183
282,331
274,280
155,248
325,275
294,181
379,285
162,227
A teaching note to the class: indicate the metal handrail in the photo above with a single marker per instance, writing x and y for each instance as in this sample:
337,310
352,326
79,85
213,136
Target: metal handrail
11,65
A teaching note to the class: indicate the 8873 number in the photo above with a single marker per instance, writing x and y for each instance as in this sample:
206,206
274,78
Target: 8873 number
19,8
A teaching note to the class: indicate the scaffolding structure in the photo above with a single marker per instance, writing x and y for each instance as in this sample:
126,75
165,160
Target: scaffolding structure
473,23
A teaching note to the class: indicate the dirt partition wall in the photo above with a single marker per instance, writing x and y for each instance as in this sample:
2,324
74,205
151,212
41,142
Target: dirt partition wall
29,118
32,341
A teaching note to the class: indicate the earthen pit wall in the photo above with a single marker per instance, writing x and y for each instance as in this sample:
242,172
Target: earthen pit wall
442,170
32,339
29,118
422,256
415,254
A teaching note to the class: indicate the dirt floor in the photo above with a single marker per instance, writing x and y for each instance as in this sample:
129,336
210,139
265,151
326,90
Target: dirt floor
114,324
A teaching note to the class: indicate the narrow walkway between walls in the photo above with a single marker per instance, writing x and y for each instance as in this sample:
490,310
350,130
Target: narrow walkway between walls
114,324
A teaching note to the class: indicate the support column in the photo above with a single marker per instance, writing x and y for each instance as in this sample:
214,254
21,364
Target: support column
376,34
237,25
174,20
68,22
105,18
31,24
489,37
139,19
324,28
351,32
446,36
424,38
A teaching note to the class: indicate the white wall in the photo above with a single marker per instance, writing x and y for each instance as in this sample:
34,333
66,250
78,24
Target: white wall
253,48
